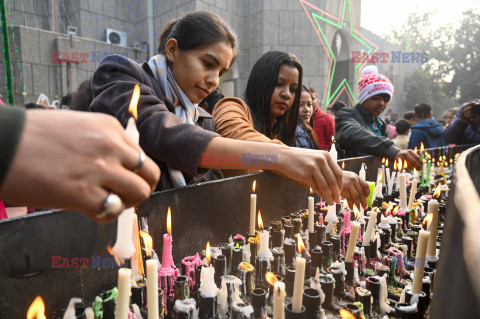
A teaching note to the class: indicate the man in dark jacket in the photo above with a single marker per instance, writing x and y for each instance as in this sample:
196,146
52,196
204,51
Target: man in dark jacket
464,128
426,130
360,131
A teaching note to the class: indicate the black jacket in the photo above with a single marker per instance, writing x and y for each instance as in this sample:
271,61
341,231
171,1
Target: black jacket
12,120
354,137
162,135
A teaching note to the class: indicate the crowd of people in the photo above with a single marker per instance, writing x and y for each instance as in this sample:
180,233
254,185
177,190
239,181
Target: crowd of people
191,133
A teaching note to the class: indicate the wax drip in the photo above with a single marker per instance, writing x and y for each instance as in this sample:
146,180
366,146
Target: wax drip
190,264
346,228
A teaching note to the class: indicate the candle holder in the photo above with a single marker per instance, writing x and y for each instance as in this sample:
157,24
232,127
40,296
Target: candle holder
259,303
245,273
432,262
207,307
139,296
289,249
336,244
220,266
320,230
350,273
276,224
327,254
253,242
339,290
327,288
277,238
312,240
290,314
373,284
232,286
289,280
311,302
316,255
422,301
226,249
108,304
288,231
427,289
181,291
408,241
405,311
237,258
354,309
308,269
297,225
241,311
364,296
161,303
184,309
262,266
278,262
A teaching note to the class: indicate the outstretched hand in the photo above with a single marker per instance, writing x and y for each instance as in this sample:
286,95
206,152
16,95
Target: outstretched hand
355,190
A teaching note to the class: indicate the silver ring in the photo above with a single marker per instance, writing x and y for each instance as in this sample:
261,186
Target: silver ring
141,160
111,206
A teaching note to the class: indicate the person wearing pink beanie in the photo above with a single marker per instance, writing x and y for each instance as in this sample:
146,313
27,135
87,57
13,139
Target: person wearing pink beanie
359,130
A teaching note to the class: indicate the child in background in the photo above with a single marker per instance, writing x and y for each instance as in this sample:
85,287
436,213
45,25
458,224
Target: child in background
403,130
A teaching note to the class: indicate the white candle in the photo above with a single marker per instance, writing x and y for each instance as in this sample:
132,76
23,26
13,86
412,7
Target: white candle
132,131
432,228
420,261
297,297
402,181
311,215
379,185
370,228
152,288
124,247
387,174
391,182
124,292
333,152
413,190
264,251
363,172
352,241
279,300
253,208
208,289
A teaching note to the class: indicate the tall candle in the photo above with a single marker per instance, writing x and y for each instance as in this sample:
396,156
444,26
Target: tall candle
124,293
379,186
167,259
352,241
311,214
152,289
279,300
402,181
420,261
432,228
413,191
370,228
253,210
297,297
429,167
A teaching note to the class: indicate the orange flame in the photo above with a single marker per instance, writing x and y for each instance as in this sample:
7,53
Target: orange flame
260,222
451,161
422,148
394,213
311,190
399,166
427,220
386,163
457,155
438,191
405,164
446,164
383,160
345,314
132,109
208,253
301,245
343,165
169,221
333,139
120,261
389,209
271,278
414,171
355,211
395,165
376,209
433,160
147,240
36,309
415,150
254,185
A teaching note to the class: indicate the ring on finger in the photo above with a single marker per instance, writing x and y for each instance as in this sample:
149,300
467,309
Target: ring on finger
111,206
141,160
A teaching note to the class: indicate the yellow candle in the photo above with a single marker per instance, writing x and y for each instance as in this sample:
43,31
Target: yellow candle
420,261
402,181
413,190
432,228
124,292
352,241
152,288
370,228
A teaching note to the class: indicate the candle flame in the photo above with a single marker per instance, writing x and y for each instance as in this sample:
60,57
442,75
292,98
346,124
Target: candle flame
389,209
376,209
422,148
147,241
355,211
120,261
415,150
380,176
399,166
333,139
271,278
311,190
451,161
260,222
426,221
457,155
394,165
405,164
246,266
169,221
433,160
438,191
343,165
386,163
446,164
36,309
414,171
345,314
208,253
383,160
132,109
254,185
301,245
394,213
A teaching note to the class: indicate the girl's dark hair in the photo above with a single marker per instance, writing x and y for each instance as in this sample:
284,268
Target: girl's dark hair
198,29
308,126
259,91
82,99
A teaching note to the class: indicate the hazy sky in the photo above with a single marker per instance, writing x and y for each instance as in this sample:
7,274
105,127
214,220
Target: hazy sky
381,16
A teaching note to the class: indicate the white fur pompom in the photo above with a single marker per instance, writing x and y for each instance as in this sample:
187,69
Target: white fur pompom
369,69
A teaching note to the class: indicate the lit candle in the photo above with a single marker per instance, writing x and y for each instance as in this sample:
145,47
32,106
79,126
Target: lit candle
413,190
333,151
379,186
124,291
137,262
402,181
264,251
278,295
124,247
352,241
152,289
420,261
299,278
433,206
208,288
370,227
311,213
253,210
167,259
